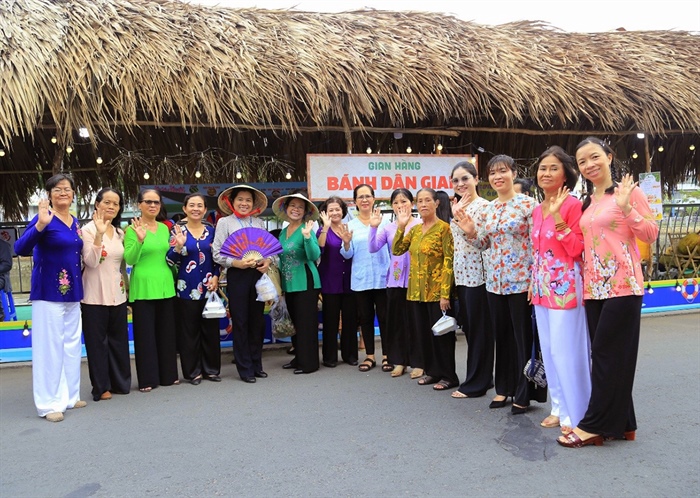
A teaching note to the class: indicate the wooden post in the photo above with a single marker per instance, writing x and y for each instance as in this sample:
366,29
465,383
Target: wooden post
647,157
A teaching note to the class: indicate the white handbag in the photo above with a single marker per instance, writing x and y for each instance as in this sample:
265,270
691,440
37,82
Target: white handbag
444,325
215,307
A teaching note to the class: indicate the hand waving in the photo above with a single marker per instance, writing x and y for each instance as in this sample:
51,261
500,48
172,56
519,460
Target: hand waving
556,202
325,219
139,228
180,237
306,230
403,216
45,215
345,234
100,223
375,218
622,193
465,222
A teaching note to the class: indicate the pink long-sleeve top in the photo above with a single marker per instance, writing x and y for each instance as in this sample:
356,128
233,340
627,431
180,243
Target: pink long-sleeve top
611,261
557,257
103,281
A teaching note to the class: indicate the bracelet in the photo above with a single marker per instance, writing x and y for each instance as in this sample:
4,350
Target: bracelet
560,227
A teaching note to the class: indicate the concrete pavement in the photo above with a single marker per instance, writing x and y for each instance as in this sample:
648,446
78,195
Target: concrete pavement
340,432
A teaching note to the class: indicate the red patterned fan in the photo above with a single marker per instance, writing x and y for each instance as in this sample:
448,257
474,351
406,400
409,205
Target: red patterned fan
251,241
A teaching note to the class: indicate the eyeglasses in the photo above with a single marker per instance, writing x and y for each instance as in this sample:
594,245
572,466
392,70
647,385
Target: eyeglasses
58,190
151,203
464,179
364,197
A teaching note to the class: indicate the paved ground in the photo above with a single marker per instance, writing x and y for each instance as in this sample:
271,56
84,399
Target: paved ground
340,432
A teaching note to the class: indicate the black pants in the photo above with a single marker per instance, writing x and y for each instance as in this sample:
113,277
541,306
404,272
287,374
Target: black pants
511,317
333,306
155,342
614,326
106,336
303,310
404,344
438,351
369,302
476,324
198,340
247,318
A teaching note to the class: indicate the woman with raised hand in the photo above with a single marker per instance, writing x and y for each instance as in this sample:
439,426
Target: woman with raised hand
504,228
403,341
557,290
241,205
300,279
105,327
197,274
335,272
368,277
151,294
429,284
470,282
615,214
53,237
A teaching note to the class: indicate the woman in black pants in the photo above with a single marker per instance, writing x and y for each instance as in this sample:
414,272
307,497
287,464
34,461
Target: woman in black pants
242,204
300,279
368,277
615,214
504,227
335,272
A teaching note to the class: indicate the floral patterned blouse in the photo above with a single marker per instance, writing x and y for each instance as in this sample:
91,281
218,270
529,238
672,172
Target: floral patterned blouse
56,275
430,275
611,261
557,257
469,263
505,227
195,264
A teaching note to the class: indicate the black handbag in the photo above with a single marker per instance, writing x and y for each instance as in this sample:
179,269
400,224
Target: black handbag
534,368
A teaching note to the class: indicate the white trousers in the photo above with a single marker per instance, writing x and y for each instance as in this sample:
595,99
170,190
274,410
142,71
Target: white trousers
566,352
56,353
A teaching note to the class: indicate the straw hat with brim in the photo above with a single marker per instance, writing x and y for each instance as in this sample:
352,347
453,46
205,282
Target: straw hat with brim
279,207
226,203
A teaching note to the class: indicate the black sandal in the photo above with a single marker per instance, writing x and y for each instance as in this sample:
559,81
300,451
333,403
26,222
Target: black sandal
367,365
386,366
444,385
427,380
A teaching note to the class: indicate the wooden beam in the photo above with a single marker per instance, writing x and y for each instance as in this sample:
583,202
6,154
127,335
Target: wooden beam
308,129
451,131
525,131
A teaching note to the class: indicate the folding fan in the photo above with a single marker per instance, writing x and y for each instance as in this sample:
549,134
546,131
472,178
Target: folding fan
251,241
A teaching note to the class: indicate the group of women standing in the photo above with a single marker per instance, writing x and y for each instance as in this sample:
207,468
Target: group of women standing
575,263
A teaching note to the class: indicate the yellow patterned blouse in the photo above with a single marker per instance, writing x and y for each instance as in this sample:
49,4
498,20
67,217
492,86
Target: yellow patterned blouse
430,274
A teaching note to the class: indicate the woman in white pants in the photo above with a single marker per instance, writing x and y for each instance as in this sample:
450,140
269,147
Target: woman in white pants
557,290
53,237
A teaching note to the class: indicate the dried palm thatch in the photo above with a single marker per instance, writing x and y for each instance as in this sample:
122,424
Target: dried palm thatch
123,68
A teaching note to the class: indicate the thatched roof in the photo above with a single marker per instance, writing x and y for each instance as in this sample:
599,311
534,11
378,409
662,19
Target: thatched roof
152,80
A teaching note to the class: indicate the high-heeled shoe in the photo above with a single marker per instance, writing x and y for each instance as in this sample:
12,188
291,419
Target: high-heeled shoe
499,404
518,410
571,440
627,436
